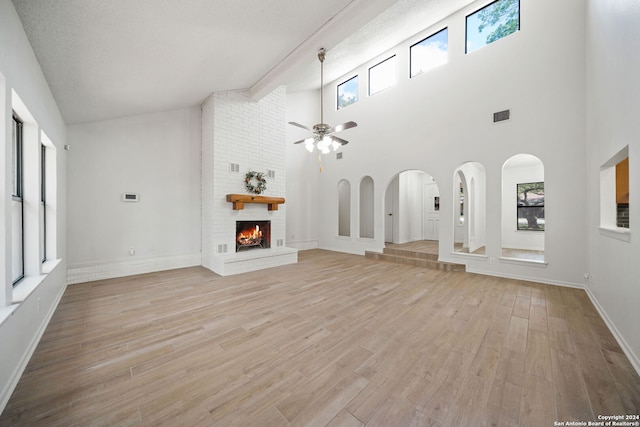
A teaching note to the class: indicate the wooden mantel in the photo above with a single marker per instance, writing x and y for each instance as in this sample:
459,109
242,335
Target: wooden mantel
239,200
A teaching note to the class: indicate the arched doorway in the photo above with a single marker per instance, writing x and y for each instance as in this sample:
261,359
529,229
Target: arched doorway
470,209
412,208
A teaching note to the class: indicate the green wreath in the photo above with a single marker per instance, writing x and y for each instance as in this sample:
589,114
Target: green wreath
259,186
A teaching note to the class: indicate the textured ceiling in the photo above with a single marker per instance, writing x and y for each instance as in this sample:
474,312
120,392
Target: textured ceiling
105,59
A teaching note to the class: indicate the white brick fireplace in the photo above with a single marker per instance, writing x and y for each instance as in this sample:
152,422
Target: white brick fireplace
241,135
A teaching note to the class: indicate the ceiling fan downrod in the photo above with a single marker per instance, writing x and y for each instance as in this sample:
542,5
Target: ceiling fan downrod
321,56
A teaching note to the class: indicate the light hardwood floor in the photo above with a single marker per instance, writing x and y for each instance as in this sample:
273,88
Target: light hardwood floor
334,340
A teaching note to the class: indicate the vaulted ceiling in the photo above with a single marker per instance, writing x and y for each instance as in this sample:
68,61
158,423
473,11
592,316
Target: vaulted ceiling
105,59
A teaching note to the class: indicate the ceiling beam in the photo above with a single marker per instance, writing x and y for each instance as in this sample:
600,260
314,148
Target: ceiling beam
344,23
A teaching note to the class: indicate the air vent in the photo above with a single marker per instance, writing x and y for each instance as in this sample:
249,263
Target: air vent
234,167
501,116
130,197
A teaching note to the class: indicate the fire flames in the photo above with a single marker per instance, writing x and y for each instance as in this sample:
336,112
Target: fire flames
250,237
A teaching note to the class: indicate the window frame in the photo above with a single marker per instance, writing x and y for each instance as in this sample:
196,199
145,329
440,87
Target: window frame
527,207
395,80
17,148
43,201
411,75
466,26
357,98
17,191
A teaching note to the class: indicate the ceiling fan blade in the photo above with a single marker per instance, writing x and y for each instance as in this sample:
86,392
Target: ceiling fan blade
340,140
298,142
299,125
344,126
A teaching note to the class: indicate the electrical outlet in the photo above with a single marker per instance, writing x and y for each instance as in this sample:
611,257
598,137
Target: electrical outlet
132,251
492,260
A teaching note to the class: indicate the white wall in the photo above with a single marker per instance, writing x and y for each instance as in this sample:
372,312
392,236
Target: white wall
613,108
303,206
26,309
156,156
439,120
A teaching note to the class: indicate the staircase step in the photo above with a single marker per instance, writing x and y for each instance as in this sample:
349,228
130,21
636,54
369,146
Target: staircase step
415,261
410,254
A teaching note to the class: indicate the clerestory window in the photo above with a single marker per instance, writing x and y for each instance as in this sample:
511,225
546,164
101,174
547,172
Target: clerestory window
429,53
491,23
348,92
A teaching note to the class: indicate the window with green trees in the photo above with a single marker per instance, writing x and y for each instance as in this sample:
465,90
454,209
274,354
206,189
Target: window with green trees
493,22
531,206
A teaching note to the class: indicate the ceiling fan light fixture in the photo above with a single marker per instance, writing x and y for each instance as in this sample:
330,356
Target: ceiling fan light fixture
321,131
309,144
324,144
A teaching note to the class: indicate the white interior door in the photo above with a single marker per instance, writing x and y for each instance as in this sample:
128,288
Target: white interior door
390,201
431,212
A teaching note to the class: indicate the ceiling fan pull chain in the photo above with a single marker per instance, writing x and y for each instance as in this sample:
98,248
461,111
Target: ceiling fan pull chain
320,161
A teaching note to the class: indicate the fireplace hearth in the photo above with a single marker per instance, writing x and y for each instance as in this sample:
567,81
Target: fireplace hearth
253,235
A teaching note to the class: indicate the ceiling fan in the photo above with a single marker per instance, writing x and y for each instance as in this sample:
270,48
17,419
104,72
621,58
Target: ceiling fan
322,132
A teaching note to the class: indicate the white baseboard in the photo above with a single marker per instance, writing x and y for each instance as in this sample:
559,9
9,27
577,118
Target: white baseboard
628,351
9,387
120,268
303,245
252,260
535,279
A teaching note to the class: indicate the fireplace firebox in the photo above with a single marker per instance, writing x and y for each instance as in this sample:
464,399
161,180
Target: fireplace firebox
253,235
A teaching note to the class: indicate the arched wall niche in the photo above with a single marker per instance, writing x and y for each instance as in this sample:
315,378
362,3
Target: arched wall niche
344,208
366,208
523,211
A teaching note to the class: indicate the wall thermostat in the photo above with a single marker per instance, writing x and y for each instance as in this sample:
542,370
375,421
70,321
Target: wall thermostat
130,197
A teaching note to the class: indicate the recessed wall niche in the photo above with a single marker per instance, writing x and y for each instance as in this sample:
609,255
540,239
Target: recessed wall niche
344,208
614,193
366,208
